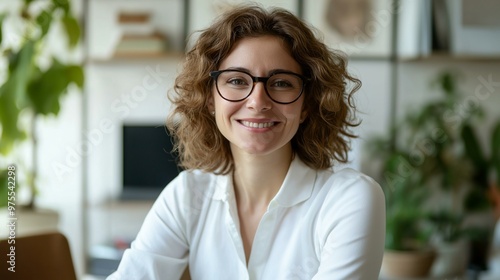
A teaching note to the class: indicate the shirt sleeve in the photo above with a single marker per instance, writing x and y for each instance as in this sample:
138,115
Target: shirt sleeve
351,228
161,248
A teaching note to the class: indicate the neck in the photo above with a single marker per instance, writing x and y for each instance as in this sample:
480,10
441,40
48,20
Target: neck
257,179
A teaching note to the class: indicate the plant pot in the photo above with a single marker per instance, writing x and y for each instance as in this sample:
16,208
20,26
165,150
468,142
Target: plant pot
451,260
494,261
29,222
407,264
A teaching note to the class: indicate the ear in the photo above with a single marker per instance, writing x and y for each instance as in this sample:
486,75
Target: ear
303,115
210,104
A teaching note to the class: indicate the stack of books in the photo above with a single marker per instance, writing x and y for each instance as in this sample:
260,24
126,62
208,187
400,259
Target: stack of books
139,37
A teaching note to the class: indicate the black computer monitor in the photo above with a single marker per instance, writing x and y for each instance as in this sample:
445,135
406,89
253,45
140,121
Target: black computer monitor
148,163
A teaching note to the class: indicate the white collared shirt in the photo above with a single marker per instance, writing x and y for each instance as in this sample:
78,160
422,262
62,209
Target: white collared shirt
320,225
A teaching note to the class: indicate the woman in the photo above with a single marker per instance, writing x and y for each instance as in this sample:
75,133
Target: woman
262,110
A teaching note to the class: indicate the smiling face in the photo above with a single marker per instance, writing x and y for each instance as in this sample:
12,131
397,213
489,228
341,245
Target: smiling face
257,125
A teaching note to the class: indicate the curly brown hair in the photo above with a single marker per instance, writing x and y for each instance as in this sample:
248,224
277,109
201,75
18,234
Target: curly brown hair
321,139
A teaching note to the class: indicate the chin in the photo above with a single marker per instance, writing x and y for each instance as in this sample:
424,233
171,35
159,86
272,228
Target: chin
255,150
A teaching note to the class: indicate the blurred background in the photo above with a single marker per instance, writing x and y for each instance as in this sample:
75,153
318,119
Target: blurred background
83,99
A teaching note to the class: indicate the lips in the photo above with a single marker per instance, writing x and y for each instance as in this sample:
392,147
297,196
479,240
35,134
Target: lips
257,124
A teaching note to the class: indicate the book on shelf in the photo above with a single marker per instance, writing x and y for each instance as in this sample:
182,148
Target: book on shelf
139,36
154,44
414,29
134,17
135,23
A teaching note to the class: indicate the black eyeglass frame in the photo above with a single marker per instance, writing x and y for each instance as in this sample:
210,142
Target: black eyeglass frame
215,75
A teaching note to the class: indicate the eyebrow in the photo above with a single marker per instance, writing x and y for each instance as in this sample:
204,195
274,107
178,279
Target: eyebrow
268,73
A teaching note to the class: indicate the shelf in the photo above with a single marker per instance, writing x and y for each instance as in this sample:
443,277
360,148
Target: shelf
368,58
140,57
127,205
448,57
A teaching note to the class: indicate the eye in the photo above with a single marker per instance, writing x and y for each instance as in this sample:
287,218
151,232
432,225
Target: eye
236,81
281,84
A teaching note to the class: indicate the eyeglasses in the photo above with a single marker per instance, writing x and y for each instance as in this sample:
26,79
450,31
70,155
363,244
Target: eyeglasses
282,87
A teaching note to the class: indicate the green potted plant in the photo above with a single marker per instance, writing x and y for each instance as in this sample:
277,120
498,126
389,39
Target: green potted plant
407,249
463,171
483,196
426,162
447,172
438,157
35,79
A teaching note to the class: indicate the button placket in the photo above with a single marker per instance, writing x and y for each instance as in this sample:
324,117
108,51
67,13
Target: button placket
262,243
232,225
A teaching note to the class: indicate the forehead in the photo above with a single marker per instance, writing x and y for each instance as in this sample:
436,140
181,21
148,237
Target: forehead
260,54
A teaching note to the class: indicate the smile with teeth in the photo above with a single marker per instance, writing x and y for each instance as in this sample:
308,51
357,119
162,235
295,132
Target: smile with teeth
257,125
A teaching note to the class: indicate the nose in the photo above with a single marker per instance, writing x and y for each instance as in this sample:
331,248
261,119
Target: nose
258,99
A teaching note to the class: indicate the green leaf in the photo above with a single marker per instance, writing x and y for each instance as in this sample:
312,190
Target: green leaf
9,112
46,90
472,147
3,187
75,75
21,71
495,151
72,30
476,201
63,4
44,19
13,95
447,83
474,152
8,120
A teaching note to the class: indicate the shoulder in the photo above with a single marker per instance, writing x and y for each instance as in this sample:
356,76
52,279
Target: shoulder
191,180
347,179
348,187
352,203
191,190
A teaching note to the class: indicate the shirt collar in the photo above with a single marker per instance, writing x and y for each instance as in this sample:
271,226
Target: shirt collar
297,186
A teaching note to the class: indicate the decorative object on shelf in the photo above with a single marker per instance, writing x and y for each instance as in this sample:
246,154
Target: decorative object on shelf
139,37
37,77
349,18
472,22
441,36
359,28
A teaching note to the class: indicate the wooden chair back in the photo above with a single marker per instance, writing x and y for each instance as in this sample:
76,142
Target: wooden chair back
42,257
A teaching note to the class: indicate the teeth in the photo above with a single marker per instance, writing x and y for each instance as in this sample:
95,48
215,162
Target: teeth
257,125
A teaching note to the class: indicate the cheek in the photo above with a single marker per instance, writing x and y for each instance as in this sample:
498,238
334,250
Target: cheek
294,112
224,109
292,116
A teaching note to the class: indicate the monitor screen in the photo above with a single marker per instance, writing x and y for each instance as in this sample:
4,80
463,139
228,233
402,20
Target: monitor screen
148,162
